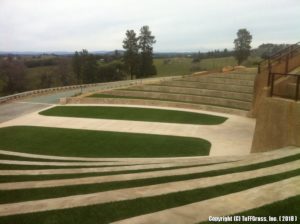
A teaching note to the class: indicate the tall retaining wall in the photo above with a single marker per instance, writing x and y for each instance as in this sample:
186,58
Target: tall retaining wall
277,124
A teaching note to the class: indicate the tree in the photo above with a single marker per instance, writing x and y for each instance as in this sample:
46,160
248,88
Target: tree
12,74
146,41
84,66
197,57
242,45
63,71
130,44
76,65
46,80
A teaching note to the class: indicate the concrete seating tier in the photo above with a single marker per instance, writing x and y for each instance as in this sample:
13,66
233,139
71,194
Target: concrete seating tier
184,98
219,90
194,91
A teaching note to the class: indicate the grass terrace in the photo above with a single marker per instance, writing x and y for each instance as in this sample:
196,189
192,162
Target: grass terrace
109,212
85,143
135,114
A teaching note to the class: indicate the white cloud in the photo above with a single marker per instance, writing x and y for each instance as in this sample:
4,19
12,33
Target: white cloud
179,25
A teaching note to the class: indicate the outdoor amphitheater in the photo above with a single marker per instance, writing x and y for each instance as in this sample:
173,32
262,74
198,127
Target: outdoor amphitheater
178,149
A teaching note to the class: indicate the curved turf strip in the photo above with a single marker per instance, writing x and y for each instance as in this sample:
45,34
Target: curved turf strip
85,143
134,114
109,212
287,207
43,193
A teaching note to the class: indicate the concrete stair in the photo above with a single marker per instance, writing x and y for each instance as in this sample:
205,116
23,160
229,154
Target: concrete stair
208,85
237,104
220,80
194,91
219,90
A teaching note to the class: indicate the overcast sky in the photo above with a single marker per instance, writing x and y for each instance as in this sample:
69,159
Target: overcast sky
178,25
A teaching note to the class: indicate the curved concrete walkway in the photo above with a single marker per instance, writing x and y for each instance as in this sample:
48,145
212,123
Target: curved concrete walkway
233,137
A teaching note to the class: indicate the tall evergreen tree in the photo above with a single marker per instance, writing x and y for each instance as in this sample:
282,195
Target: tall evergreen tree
131,57
146,41
85,67
76,65
242,45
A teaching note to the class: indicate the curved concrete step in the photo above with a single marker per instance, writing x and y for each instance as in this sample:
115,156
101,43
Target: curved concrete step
240,76
212,86
140,192
223,80
157,102
193,91
237,104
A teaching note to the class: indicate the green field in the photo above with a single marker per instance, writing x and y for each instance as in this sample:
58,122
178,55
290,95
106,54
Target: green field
134,114
84,143
185,66
34,75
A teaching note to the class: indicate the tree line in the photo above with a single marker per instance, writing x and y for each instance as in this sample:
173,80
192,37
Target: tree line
136,61
88,69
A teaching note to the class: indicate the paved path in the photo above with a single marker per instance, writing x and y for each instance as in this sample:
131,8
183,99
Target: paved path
139,192
24,106
233,137
13,110
222,206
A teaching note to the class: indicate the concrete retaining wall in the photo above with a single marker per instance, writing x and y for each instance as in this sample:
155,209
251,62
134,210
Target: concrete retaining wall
277,124
93,100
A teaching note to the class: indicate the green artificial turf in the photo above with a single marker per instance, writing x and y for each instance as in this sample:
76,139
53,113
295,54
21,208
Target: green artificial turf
35,194
287,207
85,143
109,212
32,159
42,167
20,178
134,114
